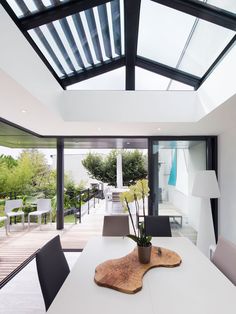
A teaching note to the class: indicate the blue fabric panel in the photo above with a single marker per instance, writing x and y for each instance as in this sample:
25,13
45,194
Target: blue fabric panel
173,171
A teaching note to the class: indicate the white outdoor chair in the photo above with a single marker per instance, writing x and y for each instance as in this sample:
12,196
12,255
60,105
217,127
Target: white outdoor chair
13,204
43,207
116,203
108,196
5,219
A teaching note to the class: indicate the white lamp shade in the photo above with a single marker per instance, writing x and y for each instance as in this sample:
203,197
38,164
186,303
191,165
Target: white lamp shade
205,184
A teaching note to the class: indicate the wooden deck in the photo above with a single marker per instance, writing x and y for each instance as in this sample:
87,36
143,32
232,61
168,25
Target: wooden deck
21,244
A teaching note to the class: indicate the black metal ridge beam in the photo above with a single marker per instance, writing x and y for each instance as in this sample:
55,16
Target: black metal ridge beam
58,12
169,72
131,12
95,70
203,11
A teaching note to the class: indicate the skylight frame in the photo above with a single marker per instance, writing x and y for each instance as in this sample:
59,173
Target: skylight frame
64,9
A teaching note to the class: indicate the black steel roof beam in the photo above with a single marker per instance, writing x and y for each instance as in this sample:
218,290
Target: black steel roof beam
98,69
203,11
131,12
169,72
58,12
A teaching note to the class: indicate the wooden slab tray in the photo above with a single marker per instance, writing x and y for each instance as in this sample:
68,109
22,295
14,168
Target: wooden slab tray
125,274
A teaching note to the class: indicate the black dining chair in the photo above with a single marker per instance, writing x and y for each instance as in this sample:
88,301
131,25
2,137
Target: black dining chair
157,226
52,269
115,226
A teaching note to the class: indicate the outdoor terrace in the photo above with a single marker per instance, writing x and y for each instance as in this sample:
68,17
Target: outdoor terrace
20,245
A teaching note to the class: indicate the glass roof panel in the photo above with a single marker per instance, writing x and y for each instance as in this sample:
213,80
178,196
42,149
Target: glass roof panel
177,39
79,42
98,24
51,61
82,40
228,5
162,31
146,80
206,44
18,6
113,80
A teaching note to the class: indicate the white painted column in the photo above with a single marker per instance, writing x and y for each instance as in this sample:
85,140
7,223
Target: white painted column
119,171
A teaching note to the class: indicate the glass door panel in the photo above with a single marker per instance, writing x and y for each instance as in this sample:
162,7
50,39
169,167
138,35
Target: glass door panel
173,165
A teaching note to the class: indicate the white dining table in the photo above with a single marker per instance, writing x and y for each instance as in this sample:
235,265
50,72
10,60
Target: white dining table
195,287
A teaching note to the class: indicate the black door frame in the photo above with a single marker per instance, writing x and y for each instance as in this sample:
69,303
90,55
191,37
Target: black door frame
211,161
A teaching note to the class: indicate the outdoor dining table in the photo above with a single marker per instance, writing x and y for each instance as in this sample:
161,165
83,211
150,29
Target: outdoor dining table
194,287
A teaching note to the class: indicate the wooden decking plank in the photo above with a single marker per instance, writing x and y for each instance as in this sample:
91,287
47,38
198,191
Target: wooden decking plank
21,244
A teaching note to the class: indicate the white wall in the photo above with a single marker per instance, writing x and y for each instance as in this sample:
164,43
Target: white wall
197,161
227,182
127,106
19,60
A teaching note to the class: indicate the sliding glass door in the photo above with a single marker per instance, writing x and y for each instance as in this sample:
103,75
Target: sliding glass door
173,163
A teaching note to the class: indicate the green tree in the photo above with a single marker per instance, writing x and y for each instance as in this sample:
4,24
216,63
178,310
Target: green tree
30,173
8,161
94,162
104,169
7,164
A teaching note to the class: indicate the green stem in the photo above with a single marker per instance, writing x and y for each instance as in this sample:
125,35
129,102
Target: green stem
136,205
127,204
143,197
137,209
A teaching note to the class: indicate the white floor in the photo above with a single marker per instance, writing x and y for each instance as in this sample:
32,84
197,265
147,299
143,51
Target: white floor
22,295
